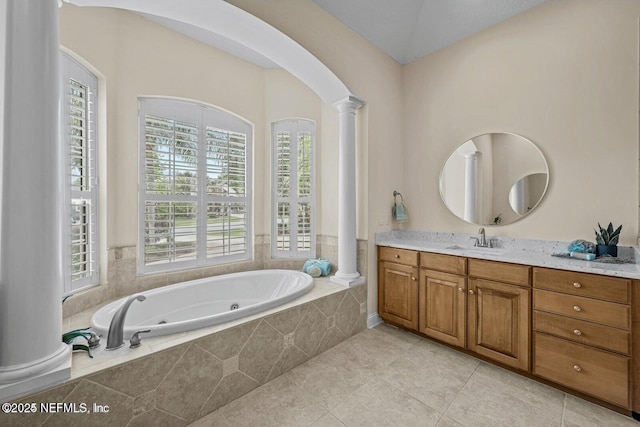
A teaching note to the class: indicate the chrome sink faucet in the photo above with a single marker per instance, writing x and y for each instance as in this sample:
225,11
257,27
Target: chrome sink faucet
116,328
482,239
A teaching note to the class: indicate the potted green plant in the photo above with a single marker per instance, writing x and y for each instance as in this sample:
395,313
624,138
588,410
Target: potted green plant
607,240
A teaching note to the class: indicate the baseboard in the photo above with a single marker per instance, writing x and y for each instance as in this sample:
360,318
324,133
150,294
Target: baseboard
373,320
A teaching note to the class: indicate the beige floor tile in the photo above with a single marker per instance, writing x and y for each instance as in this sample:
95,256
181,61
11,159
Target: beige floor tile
278,403
496,397
377,403
580,413
328,420
214,419
330,382
436,385
448,422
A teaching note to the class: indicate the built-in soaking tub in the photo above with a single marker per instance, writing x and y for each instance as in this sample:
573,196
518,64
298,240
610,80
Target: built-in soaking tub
205,302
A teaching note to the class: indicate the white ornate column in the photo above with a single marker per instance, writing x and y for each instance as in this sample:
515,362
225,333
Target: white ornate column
32,355
347,273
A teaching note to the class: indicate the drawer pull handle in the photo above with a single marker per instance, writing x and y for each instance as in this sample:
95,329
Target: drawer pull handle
577,368
577,332
577,285
397,256
471,291
577,308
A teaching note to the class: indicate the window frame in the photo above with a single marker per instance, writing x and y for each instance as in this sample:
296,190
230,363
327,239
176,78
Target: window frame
205,116
72,69
294,126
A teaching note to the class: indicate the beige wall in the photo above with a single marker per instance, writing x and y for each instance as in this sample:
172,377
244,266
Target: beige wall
564,75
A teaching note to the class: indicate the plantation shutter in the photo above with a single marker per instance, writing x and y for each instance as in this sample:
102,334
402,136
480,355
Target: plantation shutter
79,101
292,193
195,176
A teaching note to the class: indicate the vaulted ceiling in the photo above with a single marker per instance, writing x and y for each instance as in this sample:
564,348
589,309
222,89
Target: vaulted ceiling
409,29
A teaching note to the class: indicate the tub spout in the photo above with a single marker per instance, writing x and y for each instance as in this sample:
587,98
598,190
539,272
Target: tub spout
116,328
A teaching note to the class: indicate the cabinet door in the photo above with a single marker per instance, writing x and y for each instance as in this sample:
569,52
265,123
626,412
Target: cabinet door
398,294
442,308
499,322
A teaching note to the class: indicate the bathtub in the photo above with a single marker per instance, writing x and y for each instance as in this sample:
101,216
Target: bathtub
205,302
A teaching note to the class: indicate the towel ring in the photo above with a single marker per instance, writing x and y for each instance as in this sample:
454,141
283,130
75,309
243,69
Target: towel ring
396,194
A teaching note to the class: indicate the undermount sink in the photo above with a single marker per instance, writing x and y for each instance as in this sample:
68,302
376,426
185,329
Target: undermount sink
478,250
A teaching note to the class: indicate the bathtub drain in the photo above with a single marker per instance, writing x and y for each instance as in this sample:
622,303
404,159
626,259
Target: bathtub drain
162,322
234,306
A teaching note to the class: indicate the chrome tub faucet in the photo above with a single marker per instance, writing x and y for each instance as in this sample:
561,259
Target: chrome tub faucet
116,328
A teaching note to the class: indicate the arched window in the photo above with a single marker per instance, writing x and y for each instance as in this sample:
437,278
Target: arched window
195,185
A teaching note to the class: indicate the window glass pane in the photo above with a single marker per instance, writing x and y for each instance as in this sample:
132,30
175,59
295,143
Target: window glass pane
283,226
171,157
80,239
78,136
170,231
226,163
226,228
304,164
304,226
283,163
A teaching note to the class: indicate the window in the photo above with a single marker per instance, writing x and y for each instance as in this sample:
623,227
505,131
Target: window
292,229
194,178
79,124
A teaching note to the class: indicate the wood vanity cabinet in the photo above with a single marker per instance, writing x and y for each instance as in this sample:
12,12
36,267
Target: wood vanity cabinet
582,332
578,330
498,315
398,286
443,298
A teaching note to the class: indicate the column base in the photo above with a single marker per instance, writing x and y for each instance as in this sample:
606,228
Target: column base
348,281
42,374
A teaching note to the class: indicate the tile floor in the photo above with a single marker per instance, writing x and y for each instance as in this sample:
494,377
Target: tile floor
388,377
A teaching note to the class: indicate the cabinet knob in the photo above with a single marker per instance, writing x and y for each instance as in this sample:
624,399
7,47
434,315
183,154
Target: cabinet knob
577,332
577,368
576,308
413,278
471,291
460,290
397,256
577,285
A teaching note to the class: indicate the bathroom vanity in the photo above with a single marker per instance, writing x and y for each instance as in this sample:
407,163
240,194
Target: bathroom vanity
569,323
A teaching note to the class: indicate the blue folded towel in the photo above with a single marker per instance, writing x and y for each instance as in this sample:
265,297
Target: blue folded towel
399,212
322,264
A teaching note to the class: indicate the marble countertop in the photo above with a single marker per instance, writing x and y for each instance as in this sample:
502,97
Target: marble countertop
519,251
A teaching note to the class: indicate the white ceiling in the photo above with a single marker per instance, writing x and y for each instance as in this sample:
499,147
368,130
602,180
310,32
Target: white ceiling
404,29
409,29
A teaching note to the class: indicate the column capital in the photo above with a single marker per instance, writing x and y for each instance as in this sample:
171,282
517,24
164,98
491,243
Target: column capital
351,102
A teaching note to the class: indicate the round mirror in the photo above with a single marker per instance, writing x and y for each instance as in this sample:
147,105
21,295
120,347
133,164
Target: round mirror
495,178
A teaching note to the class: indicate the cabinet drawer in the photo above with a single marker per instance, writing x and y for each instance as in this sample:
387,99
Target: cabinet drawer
499,271
593,310
583,332
399,256
587,285
596,372
447,263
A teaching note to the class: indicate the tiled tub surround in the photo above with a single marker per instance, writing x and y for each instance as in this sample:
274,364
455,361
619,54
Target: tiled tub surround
122,278
519,251
175,379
